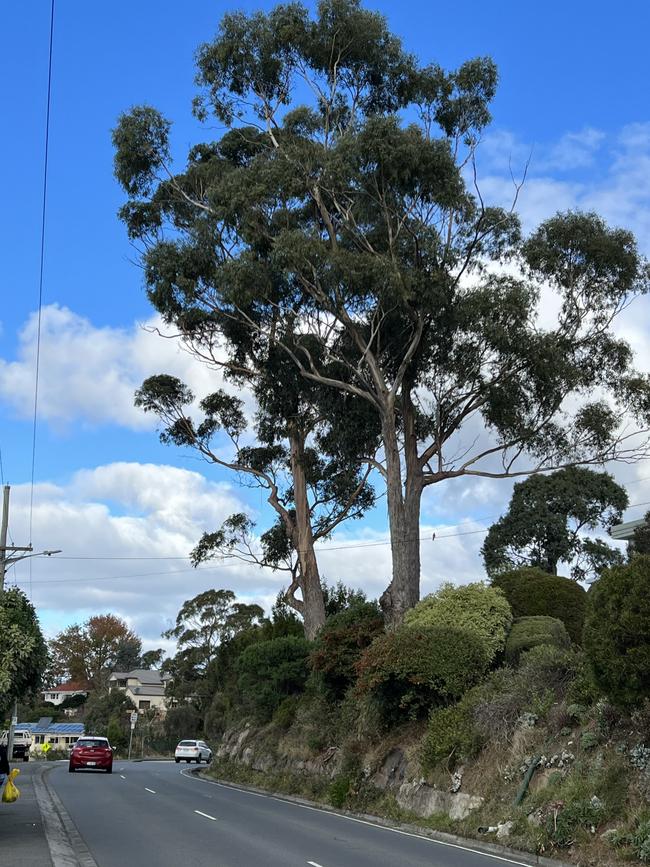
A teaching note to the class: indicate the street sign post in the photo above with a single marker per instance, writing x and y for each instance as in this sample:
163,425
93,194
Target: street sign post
134,719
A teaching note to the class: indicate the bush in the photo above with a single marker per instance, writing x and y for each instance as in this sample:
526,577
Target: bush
286,712
181,722
269,671
532,592
339,790
617,631
340,643
529,632
576,815
451,734
477,609
412,669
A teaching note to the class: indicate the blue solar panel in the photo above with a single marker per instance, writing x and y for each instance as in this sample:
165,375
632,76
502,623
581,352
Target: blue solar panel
54,728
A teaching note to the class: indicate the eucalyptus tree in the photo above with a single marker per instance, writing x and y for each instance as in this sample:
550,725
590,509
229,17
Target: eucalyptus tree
340,218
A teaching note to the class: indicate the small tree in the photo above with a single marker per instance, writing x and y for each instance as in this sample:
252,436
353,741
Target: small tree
546,517
474,608
617,631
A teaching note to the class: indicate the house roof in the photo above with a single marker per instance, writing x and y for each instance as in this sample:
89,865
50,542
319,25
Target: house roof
70,686
144,675
148,689
46,726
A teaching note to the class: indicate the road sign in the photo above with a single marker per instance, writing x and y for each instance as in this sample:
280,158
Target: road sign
46,748
134,717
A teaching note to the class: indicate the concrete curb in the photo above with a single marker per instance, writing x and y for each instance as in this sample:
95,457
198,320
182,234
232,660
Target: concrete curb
483,847
67,847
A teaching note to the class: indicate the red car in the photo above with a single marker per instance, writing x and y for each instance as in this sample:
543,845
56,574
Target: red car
91,752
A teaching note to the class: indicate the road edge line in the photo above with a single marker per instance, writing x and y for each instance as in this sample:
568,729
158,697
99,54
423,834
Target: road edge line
478,847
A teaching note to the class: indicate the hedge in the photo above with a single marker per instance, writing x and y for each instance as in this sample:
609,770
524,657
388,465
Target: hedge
415,668
617,631
532,592
528,632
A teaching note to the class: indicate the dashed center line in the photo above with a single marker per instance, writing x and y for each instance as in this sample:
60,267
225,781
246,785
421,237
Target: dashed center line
314,864
123,777
149,790
213,818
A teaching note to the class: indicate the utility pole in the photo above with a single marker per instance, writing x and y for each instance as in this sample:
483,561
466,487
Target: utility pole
6,561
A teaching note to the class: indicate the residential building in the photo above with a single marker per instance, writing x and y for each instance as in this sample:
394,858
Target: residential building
60,736
145,688
58,694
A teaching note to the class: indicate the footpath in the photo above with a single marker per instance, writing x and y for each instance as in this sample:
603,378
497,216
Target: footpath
22,835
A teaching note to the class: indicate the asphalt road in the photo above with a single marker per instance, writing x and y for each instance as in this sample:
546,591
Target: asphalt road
155,813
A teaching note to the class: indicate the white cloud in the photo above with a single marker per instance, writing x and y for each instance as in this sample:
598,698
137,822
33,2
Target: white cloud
89,374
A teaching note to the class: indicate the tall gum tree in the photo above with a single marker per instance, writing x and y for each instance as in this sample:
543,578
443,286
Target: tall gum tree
344,198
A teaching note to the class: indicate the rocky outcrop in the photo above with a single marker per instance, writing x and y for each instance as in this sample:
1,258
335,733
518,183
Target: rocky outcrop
394,773
423,800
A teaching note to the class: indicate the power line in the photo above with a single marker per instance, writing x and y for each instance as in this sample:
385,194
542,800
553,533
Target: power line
41,270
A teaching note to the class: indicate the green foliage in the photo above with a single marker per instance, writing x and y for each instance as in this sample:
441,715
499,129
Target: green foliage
479,610
341,642
269,671
414,668
102,707
532,592
576,816
183,721
23,653
617,631
451,735
640,543
339,790
528,632
116,733
545,517
71,701
286,712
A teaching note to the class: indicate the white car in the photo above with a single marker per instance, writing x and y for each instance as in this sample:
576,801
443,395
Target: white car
193,751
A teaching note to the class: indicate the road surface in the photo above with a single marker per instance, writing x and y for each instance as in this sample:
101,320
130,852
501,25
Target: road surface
156,813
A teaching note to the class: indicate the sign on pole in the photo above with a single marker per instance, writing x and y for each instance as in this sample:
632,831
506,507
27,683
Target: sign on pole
134,717
46,747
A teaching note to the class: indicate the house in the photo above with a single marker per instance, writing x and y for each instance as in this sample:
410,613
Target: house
625,532
58,694
60,736
145,688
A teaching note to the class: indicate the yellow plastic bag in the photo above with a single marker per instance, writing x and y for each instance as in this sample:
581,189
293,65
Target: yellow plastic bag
11,792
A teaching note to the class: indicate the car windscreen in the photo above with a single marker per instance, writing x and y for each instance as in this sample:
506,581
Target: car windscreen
187,744
89,743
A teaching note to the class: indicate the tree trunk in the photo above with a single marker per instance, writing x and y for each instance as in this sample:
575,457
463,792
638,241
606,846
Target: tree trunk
404,520
313,608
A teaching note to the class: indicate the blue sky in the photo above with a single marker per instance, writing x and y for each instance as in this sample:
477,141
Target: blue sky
573,93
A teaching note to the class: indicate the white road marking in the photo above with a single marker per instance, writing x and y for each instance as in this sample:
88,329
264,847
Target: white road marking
314,864
149,790
206,815
501,858
123,777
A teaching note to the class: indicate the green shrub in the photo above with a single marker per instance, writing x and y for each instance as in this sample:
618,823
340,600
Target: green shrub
451,735
477,609
286,712
617,631
532,592
340,643
412,669
269,671
529,632
575,816
339,790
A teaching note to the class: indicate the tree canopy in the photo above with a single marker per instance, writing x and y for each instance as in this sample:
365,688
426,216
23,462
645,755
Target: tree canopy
546,518
89,652
339,219
23,652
